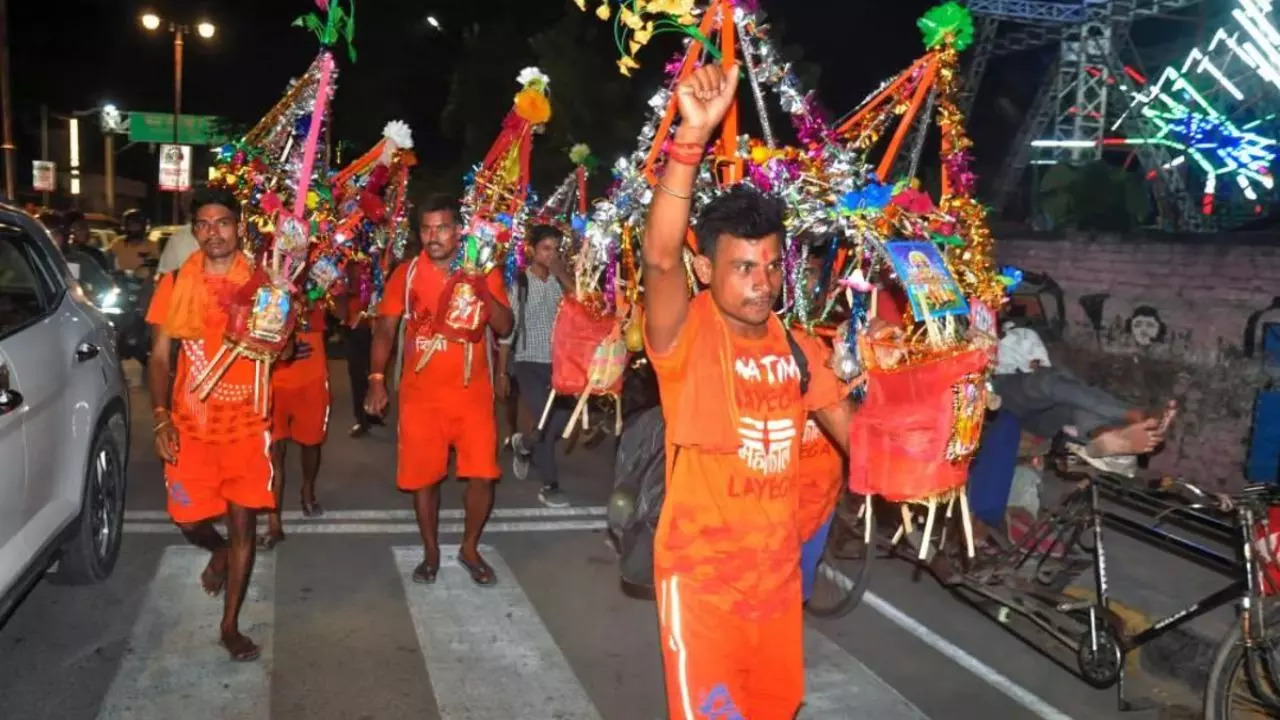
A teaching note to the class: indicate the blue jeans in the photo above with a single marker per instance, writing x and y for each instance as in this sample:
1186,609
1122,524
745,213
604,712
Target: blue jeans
810,555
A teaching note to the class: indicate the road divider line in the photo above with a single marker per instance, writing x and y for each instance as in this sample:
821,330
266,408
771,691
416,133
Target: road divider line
835,681
1024,697
487,652
173,666
401,515
346,528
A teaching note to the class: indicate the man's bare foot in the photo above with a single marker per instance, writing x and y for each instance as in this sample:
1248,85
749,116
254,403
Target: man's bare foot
214,576
271,539
1137,438
241,648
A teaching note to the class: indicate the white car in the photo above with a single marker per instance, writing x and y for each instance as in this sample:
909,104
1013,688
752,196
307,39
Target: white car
64,420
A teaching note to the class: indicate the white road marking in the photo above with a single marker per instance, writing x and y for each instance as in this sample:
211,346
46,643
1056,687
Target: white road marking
456,528
1017,693
487,652
835,681
406,514
173,666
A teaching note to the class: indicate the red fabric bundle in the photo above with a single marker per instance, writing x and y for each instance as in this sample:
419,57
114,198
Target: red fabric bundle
574,339
919,426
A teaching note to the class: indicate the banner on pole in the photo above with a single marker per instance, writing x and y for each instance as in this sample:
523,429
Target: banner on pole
175,168
44,176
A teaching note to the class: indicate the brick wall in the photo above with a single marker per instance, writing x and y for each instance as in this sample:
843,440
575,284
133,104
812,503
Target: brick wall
1192,297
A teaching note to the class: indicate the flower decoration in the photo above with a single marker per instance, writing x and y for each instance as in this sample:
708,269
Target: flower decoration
914,201
532,77
532,103
339,24
874,197
1010,277
579,154
636,22
948,23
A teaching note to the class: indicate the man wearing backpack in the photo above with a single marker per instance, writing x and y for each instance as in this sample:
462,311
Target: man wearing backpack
539,289
727,549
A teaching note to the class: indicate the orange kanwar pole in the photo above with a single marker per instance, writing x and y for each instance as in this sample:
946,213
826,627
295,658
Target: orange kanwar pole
904,125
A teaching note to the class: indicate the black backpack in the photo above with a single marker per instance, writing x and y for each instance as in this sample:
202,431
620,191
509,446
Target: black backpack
639,487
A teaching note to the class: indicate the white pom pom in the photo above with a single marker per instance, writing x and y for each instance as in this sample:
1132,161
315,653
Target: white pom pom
398,132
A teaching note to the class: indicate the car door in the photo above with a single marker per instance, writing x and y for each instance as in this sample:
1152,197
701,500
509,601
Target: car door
40,327
19,310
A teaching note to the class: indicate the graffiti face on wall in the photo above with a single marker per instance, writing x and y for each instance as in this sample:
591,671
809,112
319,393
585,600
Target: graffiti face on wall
1146,327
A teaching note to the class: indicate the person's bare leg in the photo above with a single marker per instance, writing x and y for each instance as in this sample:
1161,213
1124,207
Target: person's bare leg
241,526
478,502
275,525
204,535
426,507
310,471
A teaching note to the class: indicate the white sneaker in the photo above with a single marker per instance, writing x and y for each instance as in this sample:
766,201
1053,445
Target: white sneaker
519,458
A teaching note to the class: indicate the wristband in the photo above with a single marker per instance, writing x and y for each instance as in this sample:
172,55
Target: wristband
160,426
158,411
686,153
377,376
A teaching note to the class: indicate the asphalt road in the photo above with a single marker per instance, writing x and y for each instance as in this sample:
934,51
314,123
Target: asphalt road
346,637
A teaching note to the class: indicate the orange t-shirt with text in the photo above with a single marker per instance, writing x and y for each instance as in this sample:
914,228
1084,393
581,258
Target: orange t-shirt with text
313,369
413,291
729,521
228,414
821,463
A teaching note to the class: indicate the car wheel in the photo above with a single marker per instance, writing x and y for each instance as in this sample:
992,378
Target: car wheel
90,554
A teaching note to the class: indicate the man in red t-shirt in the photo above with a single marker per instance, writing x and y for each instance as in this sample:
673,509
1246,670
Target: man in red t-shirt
299,412
446,388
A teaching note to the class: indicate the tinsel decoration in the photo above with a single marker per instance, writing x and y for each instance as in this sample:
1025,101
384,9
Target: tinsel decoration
949,24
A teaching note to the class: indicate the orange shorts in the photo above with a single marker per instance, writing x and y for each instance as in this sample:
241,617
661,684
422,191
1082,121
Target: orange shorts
301,413
428,431
721,665
207,477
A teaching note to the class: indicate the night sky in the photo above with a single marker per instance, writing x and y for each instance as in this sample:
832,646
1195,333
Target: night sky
76,54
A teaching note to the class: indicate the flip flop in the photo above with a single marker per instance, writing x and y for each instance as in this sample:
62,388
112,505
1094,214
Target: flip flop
246,655
269,541
312,509
481,574
425,574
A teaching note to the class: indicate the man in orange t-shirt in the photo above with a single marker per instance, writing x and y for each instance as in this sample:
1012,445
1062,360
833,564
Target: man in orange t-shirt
299,412
449,401
216,451
727,547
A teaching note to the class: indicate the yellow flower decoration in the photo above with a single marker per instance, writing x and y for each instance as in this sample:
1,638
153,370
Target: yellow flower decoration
602,12
627,64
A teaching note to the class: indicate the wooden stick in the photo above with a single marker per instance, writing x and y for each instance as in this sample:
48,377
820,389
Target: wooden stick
906,518
870,520
874,103
195,384
577,410
968,521
546,410
928,528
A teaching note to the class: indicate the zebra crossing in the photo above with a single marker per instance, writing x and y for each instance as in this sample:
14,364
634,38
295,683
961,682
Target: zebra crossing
486,650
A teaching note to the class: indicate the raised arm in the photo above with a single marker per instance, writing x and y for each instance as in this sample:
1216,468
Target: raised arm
704,98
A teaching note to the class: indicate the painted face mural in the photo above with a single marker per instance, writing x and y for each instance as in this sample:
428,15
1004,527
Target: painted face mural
1146,327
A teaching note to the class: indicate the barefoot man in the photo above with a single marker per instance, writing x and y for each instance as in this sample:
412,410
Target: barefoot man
299,413
449,402
216,452
727,548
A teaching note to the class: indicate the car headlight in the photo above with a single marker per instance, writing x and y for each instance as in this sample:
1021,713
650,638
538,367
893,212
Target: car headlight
109,303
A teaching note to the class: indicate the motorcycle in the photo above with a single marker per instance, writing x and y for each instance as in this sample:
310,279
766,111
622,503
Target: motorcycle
125,303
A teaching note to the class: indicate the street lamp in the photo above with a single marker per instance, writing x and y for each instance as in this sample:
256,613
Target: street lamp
433,22
204,29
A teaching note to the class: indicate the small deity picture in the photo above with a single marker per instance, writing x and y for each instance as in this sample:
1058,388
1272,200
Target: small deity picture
981,318
970,403
464,308
932,289
269,322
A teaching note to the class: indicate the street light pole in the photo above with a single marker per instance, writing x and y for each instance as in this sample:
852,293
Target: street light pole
7,145
178,43
44,147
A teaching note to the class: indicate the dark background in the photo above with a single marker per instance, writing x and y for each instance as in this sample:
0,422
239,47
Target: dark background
454,86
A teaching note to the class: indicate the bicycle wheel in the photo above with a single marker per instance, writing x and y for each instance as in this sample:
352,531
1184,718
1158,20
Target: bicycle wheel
1241,684
845,569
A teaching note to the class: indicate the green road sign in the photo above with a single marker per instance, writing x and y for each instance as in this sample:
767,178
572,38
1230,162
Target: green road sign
192,129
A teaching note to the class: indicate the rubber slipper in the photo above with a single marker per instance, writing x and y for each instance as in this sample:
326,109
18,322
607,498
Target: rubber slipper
425,574
481,574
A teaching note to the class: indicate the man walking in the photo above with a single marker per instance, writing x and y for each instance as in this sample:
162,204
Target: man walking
539,290
449,402
735,400
300,402
216,452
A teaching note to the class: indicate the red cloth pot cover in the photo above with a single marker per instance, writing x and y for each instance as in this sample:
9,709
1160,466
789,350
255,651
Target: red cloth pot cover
464,304
574,339
915,433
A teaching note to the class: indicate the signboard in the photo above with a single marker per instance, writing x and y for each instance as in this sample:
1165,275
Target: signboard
192,129
44,176
175,168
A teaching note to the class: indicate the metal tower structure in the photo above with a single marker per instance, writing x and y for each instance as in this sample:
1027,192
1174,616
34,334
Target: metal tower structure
1081,94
